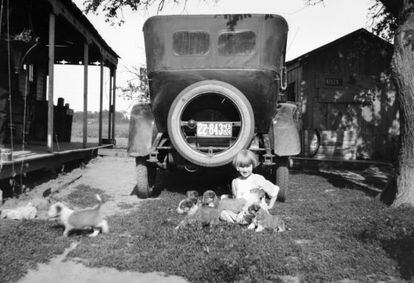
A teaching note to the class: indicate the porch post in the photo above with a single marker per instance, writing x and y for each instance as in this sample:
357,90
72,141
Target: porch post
113,106
110,103
100,103
85,92
51,78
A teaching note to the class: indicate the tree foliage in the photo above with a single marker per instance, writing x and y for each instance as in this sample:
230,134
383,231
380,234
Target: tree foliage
384,23
113,9
136,88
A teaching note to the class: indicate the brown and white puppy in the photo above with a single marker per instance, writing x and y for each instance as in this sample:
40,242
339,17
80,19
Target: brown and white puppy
241,204
262,219
187,206
192,194
202,215
224,196
255,196
80,219
210,198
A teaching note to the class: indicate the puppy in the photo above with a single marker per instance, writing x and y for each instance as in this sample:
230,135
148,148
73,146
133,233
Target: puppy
210,198
187,206
192,194
81,219
225,196
255,196
202,215
262,219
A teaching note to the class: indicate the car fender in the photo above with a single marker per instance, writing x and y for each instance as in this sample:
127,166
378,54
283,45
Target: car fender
142,130
284,133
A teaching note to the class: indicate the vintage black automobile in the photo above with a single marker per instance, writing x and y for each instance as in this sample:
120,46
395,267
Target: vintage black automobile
214,84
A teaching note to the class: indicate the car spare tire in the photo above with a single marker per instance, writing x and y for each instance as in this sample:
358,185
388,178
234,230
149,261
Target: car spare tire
218,105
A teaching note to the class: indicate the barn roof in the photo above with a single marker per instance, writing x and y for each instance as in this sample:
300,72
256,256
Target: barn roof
358,33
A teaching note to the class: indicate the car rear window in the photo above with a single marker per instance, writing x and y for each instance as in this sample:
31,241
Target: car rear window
191,42
236,43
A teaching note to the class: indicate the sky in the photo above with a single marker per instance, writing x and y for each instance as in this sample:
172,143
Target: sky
309,27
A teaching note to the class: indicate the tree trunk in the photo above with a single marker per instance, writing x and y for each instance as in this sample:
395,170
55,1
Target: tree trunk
403,70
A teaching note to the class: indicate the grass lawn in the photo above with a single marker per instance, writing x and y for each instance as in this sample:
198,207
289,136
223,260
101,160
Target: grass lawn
121,129
121,132
337,232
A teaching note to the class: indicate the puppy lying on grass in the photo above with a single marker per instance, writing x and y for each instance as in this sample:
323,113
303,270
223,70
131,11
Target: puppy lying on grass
210,198
186,205
262,219
202,215
81,219
207,211
204,212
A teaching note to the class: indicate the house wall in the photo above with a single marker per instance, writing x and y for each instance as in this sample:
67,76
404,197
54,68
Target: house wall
348,97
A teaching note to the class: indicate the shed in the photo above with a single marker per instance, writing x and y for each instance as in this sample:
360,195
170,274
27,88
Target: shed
35,35
345,94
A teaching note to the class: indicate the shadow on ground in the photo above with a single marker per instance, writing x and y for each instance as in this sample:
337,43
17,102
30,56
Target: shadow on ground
218,180
393,230
340,182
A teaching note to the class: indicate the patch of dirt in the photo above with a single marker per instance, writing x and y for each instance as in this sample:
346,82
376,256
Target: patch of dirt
63,271
114,176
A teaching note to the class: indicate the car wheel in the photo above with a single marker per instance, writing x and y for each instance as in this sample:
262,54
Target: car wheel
186,98
282,177
146,175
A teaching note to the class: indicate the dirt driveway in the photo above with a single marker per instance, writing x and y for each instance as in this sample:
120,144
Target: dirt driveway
114,175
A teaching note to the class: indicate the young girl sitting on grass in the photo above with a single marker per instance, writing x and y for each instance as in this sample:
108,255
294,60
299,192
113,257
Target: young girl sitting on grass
247,185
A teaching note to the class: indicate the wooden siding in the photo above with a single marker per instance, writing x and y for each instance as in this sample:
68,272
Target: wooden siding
347,88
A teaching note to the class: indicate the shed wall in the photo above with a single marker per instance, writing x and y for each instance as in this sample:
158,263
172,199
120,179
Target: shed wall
348,97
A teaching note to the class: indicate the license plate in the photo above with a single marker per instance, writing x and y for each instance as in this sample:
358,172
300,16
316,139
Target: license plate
214,129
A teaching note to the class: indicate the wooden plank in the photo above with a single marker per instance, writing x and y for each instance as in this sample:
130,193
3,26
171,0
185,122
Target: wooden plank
85,92
110,102
51,79
113,110
29,161
100,102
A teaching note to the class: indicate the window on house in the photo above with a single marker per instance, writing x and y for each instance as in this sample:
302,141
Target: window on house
191,42
236,43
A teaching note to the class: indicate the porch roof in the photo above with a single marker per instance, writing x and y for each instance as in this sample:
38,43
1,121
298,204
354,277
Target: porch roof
73,29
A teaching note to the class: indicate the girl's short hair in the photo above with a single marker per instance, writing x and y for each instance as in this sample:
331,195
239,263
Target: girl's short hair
245,158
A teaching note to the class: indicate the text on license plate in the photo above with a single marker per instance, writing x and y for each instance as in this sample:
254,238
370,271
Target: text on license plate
214,129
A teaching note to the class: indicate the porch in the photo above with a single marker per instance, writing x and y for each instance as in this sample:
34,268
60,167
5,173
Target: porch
35,121
31,158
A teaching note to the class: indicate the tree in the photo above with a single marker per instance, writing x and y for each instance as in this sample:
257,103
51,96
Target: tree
137,88
401,15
